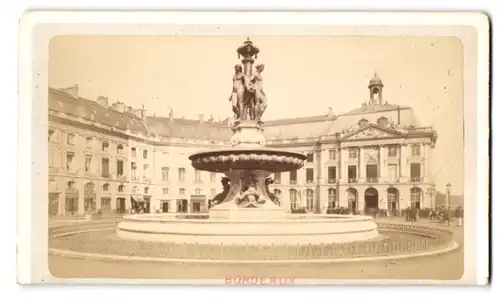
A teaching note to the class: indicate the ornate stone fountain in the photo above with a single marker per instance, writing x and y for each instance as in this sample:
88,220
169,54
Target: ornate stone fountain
247,212
248,164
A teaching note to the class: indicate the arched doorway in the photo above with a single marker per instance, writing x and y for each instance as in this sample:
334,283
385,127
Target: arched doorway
393,200
89,196
71,199
416,197
352,199
371,198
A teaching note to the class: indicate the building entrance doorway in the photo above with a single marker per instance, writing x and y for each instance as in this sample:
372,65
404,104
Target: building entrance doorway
371,199
120,205
164,207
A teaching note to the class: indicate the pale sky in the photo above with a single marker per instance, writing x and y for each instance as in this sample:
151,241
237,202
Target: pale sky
304,75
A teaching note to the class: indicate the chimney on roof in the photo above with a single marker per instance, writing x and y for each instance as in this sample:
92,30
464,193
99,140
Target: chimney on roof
102,101
330,111
72,90
119,106
201,117
130,109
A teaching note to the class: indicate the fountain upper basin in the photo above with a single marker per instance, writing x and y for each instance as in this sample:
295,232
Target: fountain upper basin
248,158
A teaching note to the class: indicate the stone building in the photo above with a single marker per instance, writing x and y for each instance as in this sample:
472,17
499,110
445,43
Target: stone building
110,157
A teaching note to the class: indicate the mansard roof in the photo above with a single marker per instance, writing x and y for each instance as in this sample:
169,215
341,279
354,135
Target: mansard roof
62,102
302,127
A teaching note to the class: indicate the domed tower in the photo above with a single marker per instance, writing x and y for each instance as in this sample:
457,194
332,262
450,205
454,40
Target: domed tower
376,86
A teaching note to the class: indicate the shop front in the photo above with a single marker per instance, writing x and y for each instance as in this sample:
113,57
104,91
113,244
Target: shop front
198,203
138,204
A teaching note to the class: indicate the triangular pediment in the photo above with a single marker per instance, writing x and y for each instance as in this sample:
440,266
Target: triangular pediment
372,131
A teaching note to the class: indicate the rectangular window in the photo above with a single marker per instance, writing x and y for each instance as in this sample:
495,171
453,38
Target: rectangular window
105,168
309,175
310,157
197,176
145,154
393,172
353,153
392,151
415,150
372,173
88,163
293,177
145,167
105,146
332,174
133,167
352,174
332,154
277,178
415,172
165,191
70,139
70,159
196,207
119,167
164,173
88,143
182,191
133,152
182,174
213,176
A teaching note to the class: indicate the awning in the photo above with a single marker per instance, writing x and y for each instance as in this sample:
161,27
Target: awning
147,197
137,198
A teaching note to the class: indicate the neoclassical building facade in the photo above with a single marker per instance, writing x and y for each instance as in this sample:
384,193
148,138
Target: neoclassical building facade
108,157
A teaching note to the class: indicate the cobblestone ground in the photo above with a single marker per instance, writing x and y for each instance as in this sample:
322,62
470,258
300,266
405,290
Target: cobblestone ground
448,266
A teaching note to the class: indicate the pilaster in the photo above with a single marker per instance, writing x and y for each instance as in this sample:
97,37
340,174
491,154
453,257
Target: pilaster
362,165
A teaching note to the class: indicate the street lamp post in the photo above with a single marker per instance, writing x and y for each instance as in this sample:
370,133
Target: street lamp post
431,191
448,188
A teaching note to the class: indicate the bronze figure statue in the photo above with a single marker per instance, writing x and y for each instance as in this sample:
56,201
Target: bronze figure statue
221,196
248,98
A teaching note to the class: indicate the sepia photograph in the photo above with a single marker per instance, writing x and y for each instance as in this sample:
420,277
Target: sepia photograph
258,158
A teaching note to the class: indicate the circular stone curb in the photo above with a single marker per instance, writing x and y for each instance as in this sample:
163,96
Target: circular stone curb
67,253
110,257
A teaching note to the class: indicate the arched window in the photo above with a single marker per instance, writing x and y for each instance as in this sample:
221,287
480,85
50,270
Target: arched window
415,197
310,200
332,198
88,143
119,149
146,190
135,189
293,199
121,188
105,187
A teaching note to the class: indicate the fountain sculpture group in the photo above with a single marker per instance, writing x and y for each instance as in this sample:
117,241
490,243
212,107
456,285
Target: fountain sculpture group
247,212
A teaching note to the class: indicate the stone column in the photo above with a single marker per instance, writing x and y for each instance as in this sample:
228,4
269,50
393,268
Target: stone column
404,175
382,163
425,162
62,203
81,200
342,164
362,165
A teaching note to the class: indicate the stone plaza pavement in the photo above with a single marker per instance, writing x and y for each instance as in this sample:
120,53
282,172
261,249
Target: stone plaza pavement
447,266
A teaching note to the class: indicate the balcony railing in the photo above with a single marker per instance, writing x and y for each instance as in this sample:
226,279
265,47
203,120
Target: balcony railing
121,177
293,182
277,181
135,178
146,180
352,180
416,179
372,180
332,181
106,175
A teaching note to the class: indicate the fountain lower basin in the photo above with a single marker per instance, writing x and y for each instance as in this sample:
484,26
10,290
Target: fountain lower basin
294,229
